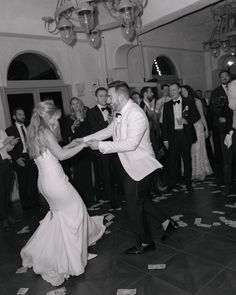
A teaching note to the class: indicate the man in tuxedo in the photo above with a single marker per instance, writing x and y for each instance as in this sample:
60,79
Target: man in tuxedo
155,134
161,101
131,140
24,167
230,138
220,119
6,175
98,118
179,134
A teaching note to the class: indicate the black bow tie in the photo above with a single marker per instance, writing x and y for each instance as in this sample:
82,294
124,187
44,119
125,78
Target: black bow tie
106,108
176,101
118,115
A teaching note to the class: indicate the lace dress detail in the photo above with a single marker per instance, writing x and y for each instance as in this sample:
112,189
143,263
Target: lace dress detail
200,164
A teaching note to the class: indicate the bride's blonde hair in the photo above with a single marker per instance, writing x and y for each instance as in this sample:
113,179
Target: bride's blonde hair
39,123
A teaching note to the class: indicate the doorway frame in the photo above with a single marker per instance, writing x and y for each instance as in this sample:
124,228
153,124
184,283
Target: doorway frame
35,87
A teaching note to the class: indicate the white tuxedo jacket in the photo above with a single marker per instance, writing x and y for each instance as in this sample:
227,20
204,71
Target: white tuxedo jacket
131,141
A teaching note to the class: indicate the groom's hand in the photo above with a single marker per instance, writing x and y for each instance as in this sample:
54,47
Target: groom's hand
93,144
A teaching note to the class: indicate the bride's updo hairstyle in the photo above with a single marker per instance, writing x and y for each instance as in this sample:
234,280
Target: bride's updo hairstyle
41,121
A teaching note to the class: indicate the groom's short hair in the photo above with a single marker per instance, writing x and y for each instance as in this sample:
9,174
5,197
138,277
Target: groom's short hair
120,86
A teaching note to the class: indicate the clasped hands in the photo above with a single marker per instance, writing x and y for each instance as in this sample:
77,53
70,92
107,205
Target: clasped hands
93,144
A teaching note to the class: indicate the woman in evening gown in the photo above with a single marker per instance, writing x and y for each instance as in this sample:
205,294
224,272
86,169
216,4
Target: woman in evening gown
59,246
76,126
200,163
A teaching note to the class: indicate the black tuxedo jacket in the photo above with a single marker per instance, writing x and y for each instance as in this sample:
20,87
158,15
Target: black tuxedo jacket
95,120
189,112
219,108
16,153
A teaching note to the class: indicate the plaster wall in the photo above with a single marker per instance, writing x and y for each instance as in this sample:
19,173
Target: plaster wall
78,66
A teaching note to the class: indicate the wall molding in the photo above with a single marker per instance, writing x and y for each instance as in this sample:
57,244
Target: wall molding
171,48
36,37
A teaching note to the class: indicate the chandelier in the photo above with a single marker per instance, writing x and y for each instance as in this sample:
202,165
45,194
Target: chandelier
80,16
223,36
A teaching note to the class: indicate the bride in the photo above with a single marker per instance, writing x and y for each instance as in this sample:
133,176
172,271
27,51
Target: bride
59,247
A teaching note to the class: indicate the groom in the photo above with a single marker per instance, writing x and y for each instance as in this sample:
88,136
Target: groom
130,132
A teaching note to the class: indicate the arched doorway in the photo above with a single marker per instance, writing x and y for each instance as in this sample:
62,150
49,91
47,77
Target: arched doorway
164,71
33,77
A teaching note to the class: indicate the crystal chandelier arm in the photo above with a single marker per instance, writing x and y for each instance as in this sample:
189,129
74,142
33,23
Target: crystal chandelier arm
103,27
64,8
48,22
108,26
111,10
142,2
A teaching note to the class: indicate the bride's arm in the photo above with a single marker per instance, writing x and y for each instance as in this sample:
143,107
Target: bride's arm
59,152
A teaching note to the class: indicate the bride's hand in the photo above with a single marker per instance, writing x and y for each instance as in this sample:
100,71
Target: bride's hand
78,140
72,144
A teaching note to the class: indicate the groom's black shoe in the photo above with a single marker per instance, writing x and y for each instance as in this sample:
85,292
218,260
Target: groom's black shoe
141,249
171,228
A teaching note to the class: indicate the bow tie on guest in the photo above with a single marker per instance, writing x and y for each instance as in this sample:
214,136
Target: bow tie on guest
106,108
176,101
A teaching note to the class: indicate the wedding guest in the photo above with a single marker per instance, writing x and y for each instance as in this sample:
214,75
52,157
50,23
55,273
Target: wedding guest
200,164
155,134
136,97
162,100
99,117
220,118
179,134
25,168
200,96
230,140
76,126
7,143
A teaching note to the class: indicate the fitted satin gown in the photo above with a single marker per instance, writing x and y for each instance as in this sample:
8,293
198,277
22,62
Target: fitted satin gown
59,246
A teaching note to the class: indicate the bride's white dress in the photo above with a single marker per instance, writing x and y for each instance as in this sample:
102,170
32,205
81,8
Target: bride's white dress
59,246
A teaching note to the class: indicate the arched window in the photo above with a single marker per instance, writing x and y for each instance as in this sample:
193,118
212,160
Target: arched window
163,66
31,78
31,66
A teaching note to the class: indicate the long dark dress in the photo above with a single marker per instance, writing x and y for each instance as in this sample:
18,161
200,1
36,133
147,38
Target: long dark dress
81,163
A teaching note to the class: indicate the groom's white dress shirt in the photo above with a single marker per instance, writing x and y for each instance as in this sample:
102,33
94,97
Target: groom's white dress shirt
131,140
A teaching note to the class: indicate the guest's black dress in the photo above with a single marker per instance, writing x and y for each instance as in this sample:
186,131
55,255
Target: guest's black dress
81,163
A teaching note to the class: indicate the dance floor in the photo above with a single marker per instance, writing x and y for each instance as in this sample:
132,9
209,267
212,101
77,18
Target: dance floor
200,258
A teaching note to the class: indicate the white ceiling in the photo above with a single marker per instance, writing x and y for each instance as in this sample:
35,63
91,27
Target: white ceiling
25,16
